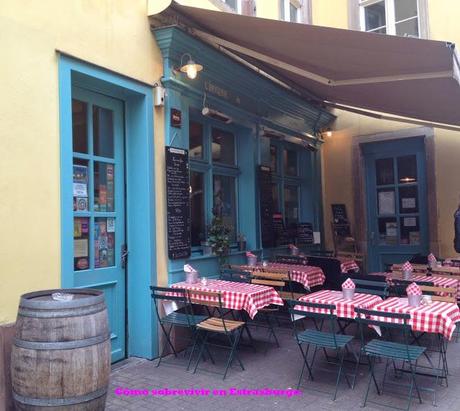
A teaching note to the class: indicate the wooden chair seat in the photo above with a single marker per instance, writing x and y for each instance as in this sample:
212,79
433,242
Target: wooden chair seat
286,295
215,324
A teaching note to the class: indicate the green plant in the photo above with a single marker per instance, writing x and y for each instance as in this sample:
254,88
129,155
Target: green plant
219,238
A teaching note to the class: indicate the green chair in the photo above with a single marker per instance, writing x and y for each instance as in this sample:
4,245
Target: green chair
389,350
316,337
185,319
230,329
379,288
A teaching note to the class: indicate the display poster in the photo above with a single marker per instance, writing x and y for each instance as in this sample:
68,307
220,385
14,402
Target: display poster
391,229
408,203
414,237
386,200
339,213
80,181
110,225
410,221
80,248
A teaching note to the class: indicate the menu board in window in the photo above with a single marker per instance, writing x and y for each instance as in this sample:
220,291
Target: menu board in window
281,234
305,233
339,213
178,203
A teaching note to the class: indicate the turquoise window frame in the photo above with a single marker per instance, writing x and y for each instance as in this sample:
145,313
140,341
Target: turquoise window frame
209,168
138,99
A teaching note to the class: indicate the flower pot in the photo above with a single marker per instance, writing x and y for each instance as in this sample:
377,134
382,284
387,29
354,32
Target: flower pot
348,293
252,261
191,277
414,300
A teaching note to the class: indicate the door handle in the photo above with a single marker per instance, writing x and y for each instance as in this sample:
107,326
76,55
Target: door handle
124,255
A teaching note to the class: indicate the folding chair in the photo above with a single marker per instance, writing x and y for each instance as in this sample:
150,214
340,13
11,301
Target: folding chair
379,288
382,348
231,329
398,287
186,319
318,338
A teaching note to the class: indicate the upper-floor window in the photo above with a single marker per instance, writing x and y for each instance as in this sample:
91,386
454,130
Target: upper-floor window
294,11
397,17
236,5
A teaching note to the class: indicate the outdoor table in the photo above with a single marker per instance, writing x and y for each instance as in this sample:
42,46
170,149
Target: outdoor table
438,317
344,308
307,275
447,282
236,296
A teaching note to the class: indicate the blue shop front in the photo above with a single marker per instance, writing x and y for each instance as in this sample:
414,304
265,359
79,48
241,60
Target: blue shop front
252,150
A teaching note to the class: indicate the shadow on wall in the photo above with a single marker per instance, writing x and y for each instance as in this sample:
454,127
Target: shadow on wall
6,340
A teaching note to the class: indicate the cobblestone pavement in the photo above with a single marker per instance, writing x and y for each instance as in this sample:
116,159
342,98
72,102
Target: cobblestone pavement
277,368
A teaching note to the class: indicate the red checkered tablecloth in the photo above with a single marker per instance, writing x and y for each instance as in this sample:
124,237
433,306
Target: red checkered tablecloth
344,308
307,275
348,265
236,296
448,282
438,317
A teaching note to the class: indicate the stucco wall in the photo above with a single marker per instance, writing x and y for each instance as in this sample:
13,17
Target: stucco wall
113,34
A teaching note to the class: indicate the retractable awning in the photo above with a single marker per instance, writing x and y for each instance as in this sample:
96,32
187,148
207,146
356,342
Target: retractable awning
408,77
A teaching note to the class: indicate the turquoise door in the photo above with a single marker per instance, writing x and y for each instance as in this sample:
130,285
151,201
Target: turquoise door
99,204
396,201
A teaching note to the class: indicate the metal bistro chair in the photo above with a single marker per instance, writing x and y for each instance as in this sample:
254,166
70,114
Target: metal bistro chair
186,319
379,288
318,338
392,351
231,329
398,287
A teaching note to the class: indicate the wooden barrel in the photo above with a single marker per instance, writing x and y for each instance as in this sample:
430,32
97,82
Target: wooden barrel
60,358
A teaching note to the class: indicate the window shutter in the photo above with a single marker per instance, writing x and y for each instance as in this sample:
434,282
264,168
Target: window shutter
248,7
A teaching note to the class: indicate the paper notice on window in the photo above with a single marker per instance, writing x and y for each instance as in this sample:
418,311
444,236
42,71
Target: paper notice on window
408,203
110,225
316,237
410,221
80,190
391,229
386,202
80,248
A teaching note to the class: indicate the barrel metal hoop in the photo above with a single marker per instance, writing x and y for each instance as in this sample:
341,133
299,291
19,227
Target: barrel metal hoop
55,313
93,296
56,402
61,345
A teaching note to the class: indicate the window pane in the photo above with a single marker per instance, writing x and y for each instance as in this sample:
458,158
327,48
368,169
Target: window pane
79,126
104,242
384,171
408,199
225,201
374,15
273,159
291,205
223,147
104,189
197,207
407,28
275,198
292,13
102,132
407,169
388,231
386,201
195,140
410,230
80,184
290,162
405,9
80,243
232,3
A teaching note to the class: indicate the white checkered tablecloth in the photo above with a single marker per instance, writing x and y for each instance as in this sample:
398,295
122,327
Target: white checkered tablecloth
448,282
344,308
236,296
438,317
307,275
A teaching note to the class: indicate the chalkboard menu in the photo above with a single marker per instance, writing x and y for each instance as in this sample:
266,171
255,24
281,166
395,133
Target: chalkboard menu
178,203
339,213
304,233
280,232
266,207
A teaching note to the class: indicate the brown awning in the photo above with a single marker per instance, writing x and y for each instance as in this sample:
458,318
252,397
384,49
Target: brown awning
407,77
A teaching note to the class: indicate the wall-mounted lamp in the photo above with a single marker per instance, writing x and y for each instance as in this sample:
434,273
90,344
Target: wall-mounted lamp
191,68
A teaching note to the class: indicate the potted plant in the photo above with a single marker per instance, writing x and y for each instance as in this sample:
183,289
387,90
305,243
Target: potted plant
219,238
